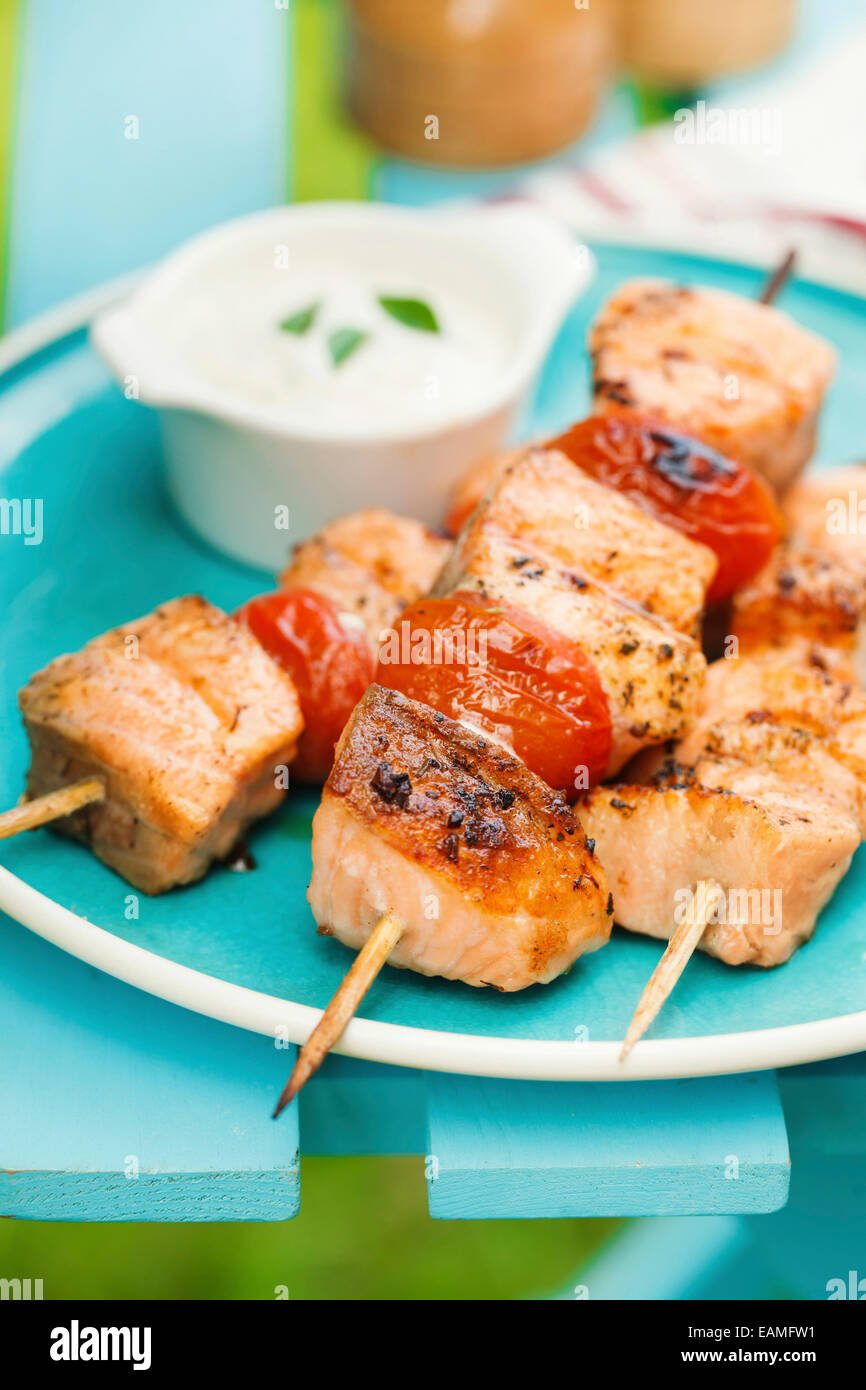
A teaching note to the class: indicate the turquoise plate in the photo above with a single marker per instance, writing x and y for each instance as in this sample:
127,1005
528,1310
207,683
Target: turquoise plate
242,947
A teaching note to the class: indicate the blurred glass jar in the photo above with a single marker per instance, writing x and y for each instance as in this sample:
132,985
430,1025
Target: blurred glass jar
682,43
475,83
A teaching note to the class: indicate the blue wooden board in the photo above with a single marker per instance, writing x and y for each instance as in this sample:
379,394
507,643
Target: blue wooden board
112,549
360,1107
553,1149
671,1258
206,149
115,1106
811,1249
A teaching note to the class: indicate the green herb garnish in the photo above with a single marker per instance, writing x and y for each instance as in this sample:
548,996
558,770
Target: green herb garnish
412,313
344,341
302,320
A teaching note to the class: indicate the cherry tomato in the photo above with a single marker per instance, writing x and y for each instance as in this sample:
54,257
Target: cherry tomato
330,663
681,481
502,670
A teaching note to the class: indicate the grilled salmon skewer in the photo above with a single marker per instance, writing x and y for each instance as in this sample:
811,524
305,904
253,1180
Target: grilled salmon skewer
657,446
826,510
575,676
349,584
587,610
741,376
343,588
807,606
189,672
181,725
667,475
450,857
765,800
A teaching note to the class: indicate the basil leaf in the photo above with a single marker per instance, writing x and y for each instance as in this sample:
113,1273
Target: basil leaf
302,320
412,313
344,341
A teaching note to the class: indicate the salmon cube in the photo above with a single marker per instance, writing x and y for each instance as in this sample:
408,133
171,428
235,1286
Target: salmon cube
189,723
808,606
548,504
487,869
651,674
826,509
739,375
370,564
772,853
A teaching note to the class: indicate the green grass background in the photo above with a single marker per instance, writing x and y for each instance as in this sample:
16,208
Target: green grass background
363,1233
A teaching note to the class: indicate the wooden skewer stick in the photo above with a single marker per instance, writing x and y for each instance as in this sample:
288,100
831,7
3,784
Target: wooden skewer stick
779,278
366,966
683,943
672,964
51,806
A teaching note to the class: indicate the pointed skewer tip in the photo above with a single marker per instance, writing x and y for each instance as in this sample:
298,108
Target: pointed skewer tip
334,1021
677,954
775,282
284,1100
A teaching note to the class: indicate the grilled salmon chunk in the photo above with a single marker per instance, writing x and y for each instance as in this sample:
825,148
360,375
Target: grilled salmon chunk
766,799
803,696
826,509
487,869
808,605
186,719
547,504
371,564
651,675
793,719
774,852
739,375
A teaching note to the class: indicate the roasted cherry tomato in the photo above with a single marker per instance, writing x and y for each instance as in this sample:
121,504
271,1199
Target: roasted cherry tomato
692,487
500,669
330,663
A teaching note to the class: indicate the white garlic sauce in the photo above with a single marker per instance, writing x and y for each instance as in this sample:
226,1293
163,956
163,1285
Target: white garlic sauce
227,327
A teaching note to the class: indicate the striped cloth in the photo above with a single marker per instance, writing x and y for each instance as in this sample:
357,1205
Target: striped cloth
782,165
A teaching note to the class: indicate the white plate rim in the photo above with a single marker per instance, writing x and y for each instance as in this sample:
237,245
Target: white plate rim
394,1044
430,1049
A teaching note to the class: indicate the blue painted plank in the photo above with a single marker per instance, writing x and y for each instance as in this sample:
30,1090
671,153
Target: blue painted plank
206,82
810,1249
358,1107
825,1107
818,1243
115,1106
666,1258
523,1149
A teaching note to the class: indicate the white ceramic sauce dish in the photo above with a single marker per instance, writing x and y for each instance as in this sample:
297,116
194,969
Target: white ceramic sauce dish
269,433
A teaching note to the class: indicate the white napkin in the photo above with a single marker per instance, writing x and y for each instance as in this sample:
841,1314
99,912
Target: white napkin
783,165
